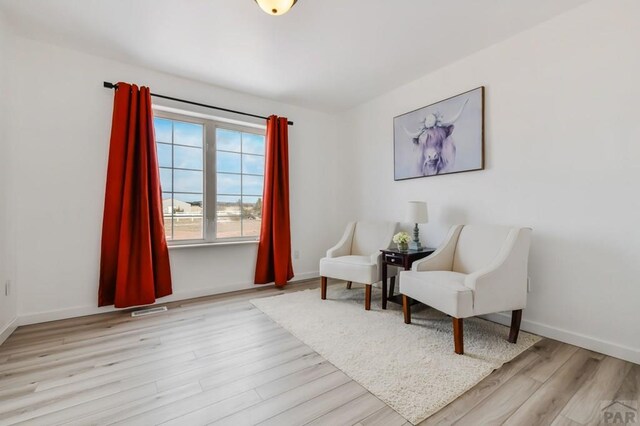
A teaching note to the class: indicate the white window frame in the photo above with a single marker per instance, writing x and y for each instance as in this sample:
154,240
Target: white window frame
209,184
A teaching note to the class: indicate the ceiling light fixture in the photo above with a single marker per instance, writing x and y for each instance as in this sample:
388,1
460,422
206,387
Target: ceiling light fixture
276,7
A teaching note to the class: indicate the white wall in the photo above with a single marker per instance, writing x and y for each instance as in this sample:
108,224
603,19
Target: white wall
61,125
8,303
562,148
562,156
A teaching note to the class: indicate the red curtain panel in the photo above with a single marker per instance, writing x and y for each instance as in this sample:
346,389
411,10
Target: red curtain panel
274,250
134,263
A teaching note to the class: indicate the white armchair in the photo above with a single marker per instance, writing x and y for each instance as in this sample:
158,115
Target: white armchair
357,257
478,270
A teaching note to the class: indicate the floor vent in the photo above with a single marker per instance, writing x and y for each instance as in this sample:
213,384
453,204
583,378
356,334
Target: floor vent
149,311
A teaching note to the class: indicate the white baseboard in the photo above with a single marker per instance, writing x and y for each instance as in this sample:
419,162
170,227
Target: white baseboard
8,329
82,311
608,348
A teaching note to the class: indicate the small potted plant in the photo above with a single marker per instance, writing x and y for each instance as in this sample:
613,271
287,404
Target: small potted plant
402,240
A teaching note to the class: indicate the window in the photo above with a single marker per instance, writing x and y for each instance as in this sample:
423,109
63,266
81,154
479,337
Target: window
212,175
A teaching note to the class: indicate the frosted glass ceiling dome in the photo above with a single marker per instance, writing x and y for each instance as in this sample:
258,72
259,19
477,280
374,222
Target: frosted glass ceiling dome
276,7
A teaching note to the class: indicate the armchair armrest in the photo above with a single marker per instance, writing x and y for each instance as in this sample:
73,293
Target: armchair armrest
502,285
441,259
343,247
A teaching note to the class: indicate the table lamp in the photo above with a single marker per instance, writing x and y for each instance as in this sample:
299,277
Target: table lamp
417,213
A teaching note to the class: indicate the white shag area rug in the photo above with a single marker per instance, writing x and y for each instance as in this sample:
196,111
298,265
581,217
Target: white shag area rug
412,367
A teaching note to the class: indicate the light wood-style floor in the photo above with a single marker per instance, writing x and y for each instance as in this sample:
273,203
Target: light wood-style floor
218,360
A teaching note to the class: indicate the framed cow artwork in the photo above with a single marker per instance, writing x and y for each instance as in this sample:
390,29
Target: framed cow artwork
442,138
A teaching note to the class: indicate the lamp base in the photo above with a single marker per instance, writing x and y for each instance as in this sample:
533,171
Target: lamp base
415,245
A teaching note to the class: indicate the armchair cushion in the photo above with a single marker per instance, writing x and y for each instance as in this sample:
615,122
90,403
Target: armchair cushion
356,257
442,290
370,237
502,284
477,246
343,247
441,259
358,269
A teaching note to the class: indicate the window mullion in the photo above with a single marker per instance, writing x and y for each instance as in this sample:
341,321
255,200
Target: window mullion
241,186
211,181
173,222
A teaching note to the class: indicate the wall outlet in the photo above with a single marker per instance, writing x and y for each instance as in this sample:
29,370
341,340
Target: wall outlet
7,288
528,284
296,254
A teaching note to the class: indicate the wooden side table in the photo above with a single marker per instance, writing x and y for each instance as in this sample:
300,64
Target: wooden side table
402,259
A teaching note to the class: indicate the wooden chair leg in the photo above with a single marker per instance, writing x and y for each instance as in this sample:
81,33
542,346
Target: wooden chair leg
406,309
457,336
348,285
516,317
367,297
323,287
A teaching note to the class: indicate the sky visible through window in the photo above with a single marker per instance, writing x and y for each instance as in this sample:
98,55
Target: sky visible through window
239,168
240,179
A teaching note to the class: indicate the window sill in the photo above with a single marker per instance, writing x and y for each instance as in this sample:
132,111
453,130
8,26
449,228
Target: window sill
218,244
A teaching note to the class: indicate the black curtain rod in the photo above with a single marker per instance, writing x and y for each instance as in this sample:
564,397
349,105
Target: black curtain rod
115,86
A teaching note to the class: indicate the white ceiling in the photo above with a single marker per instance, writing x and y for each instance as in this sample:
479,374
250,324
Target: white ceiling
324,54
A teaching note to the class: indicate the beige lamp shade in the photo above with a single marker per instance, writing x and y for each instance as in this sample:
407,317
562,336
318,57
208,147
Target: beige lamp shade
417,212
276,7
